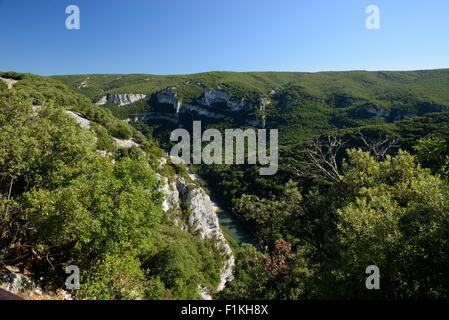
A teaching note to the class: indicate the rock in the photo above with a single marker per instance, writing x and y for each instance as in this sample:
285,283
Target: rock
9,82
84,83
204,293
15,282
170,195
120,99
20,283
80,120
203,219
171,204
216,96
185,108
376,111
125,144
167,97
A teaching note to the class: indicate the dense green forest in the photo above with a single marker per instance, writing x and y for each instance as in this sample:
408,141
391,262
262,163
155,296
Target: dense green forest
63,202
363,180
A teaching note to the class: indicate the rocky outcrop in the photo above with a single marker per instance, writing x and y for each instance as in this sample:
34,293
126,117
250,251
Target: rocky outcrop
84,83
170,97
398,113
79,119
209,98
220,96
375,111
125,144
120,99
9,82
21,283
202,219
186,108
167,97
83,122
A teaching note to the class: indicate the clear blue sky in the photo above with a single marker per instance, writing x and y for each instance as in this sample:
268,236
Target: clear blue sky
187,36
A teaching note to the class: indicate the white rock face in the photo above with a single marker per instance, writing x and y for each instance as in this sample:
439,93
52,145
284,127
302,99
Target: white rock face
209,98
377,112
170,97
166,97
178,106
213,96
9,82
84,83
80,120
120,99
203,219
125,144
170,193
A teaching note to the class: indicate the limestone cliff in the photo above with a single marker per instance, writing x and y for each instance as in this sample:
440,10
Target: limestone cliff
202,219
120,99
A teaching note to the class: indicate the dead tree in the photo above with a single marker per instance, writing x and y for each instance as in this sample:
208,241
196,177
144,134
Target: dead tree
380,147
323,155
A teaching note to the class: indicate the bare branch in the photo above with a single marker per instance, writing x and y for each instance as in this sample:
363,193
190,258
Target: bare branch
379,147
323,158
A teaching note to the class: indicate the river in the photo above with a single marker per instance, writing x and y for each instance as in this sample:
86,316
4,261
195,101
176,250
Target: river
232,226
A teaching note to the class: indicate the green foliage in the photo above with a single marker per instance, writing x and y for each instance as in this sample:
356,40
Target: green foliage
397,222
104,141
119,130
179,262
272,215
63,203
278,274
391,214
431,152
114,277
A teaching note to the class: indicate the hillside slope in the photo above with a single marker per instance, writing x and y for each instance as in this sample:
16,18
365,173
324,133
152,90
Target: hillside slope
80,187
347,195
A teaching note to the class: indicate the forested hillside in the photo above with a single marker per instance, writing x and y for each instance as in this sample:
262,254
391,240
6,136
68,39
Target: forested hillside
363,180
80,187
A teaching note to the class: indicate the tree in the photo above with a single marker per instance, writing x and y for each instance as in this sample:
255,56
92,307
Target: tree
432,153
396,222
272,215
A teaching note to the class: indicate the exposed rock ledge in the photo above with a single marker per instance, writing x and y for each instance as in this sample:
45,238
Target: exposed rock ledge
120,99
209,98
203,219
9,82
213,96
83,122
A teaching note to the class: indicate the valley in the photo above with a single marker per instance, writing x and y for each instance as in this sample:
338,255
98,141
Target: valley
358,153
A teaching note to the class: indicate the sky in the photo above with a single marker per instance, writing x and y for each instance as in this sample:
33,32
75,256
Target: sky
190,36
